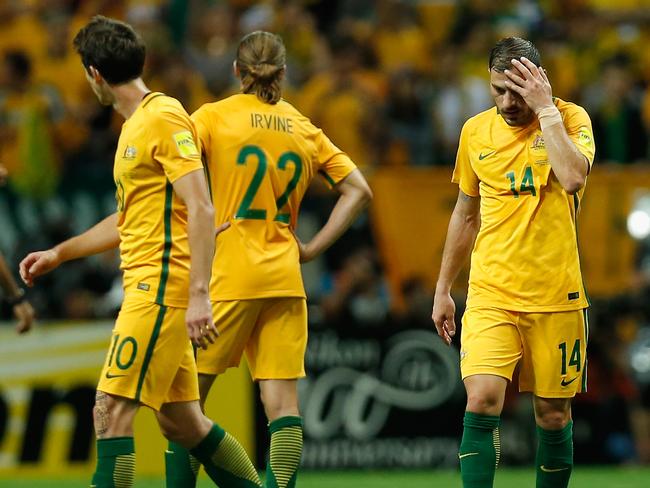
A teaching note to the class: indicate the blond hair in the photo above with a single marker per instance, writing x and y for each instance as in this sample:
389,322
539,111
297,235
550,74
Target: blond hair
261,61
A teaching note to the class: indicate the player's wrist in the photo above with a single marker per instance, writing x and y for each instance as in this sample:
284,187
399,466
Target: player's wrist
443,288
548,115
59,254
199,291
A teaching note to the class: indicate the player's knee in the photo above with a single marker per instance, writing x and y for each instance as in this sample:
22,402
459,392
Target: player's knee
484,402
553,419
187,433
552,413
171,431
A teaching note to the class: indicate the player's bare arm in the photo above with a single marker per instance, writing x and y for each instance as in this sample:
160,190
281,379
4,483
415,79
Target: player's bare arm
355,196
193,190
463,227
99,238
14,295
531,83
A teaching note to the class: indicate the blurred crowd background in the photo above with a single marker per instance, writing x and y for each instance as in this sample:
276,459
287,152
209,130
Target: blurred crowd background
391,82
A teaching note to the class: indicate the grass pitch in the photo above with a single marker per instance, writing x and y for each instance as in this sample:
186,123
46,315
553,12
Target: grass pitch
603,477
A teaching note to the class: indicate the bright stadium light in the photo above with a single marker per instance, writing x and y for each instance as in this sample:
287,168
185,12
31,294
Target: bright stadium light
638,222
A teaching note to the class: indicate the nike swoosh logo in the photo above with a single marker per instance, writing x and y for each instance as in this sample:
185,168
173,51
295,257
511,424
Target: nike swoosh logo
461,456
482,156
567,383
109,375
551,470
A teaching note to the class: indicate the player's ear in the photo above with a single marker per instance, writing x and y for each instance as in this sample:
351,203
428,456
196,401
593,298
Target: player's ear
235,68
94,74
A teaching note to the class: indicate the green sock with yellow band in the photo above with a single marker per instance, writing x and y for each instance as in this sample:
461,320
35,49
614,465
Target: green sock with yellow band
225,460
285,453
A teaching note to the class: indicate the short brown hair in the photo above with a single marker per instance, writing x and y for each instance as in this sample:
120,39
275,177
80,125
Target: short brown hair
261,61
511,48
112,47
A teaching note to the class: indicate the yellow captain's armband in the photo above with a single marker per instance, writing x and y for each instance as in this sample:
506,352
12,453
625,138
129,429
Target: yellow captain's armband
185,143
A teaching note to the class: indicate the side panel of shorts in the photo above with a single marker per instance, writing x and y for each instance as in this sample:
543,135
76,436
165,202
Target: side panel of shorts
554,363
150,358
490,342
276,349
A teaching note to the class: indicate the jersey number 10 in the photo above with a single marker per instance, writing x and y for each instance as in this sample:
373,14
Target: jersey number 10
245,211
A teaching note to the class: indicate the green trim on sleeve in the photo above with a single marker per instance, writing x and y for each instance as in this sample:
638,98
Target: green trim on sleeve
327,177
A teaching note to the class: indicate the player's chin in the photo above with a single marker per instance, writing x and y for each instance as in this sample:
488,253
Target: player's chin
513,118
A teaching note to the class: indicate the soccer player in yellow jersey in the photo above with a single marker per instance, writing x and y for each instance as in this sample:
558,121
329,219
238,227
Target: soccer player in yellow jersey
164,226
261,154
521,168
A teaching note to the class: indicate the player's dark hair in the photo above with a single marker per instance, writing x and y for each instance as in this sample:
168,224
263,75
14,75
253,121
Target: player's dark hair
112,47
512,48
261,61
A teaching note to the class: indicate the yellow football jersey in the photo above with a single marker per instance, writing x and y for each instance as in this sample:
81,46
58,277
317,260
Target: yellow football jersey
156,147
260,159
526,253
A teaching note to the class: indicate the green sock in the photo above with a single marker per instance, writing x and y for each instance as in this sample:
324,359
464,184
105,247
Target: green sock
115,463
554,458
226,461
286,450
181,467
479,450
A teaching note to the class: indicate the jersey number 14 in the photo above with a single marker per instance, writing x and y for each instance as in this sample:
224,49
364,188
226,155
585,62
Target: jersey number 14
527,183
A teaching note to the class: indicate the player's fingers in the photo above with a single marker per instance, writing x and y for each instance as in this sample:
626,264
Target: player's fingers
445,337
514,78
207,333
534,70
440,329
451,326
38,267
544,75
523,69
24,266
515,88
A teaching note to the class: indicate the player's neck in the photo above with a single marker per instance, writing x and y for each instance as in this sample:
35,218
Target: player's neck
128,97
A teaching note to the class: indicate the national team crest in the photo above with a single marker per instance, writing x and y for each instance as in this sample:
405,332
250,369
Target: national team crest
538,143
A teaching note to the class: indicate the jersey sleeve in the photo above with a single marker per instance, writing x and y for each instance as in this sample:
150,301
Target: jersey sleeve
333,164
464,175
578,127
174,144
200,119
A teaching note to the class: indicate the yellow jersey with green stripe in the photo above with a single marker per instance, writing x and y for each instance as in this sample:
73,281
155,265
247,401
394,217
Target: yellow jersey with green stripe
526,253
260,159
156,147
